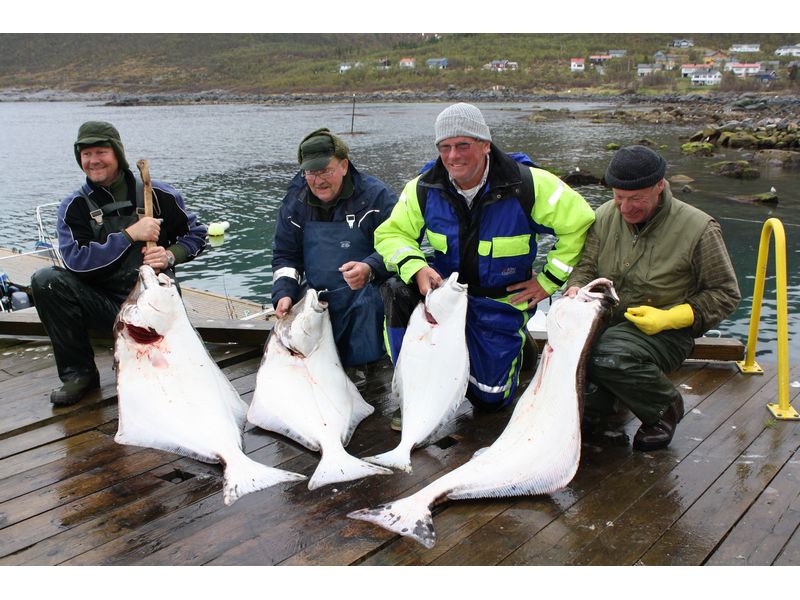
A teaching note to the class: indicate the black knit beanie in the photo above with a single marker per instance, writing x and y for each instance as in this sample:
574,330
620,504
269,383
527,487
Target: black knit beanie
100,133
635,168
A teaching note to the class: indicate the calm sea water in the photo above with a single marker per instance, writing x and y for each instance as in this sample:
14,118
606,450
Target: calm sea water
232,163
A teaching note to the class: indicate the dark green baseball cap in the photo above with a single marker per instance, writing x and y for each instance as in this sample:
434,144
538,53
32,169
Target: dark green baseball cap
317,148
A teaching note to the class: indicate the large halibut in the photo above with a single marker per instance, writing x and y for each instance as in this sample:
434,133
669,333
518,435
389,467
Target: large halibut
173,396
302,392
539,450
432,370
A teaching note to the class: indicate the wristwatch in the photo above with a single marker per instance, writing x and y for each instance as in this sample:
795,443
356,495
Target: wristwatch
170,259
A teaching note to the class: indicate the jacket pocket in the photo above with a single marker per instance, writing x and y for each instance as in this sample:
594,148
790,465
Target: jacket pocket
438,241
517,245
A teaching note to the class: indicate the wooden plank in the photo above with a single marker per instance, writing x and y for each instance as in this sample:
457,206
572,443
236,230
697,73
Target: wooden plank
85,459
162,532
24,400
761,534
42,517
84,534
632,473
42,455
661,504
694,536
26,323
61,430
790,554
26,358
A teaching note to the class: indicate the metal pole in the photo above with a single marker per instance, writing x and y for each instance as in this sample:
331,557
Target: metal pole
353,115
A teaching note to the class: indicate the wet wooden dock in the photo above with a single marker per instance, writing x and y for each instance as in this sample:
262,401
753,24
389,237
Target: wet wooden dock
726,492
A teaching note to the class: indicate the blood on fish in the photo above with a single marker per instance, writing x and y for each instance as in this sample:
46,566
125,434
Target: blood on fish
143,335
157,359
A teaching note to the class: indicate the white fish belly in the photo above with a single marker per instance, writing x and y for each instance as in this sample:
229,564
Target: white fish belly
289,400
537,453
431,376
178,401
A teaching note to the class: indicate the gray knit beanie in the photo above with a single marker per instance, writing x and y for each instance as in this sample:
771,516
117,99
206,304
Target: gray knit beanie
459,120
100,133
635,168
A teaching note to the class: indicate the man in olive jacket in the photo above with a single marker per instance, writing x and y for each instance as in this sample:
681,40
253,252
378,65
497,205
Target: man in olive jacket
675,280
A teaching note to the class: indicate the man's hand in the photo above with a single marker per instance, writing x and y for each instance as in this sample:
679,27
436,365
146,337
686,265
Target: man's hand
356,274
572,292
527,291
146,229
283,306
653,320
156,257
427,279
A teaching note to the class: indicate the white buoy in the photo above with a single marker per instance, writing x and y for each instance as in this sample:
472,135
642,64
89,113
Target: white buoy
218,228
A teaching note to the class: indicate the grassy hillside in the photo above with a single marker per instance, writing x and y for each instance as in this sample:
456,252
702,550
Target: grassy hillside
280,63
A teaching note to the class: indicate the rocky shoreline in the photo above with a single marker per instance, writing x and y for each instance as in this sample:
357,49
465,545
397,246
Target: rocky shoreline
694,102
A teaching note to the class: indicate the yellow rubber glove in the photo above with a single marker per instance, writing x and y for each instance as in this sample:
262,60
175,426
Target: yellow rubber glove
652,320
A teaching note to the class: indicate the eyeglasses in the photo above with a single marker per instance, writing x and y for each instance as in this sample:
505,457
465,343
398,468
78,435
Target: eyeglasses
323,173
459,147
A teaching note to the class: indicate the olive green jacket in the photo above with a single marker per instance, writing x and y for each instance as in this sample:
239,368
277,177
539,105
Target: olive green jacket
678,257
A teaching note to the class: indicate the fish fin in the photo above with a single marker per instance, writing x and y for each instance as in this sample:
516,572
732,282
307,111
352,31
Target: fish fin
398,458
409,517
361,410
335,467
244,475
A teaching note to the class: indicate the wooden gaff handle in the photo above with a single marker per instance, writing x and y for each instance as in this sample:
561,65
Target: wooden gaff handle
144,170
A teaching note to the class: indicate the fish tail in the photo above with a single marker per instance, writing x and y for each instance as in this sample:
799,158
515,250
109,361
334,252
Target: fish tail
244,475
410,517
335,467
399,458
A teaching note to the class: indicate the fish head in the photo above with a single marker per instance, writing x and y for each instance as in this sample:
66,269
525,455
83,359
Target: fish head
302,330
577,318
450,298
151,309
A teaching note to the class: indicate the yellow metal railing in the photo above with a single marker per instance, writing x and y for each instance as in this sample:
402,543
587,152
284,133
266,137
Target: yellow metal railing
783,409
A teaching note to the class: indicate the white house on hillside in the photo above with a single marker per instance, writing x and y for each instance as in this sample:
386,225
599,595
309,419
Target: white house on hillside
706,77
644,69
745,48
743,69
788,50
407,63
687,70
577,65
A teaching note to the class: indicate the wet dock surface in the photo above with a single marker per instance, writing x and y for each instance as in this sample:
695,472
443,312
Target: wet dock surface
726,492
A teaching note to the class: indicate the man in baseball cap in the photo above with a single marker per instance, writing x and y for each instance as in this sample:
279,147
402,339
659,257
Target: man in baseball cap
324,240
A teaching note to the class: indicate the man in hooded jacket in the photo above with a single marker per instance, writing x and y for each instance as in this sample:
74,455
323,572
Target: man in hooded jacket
102,238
